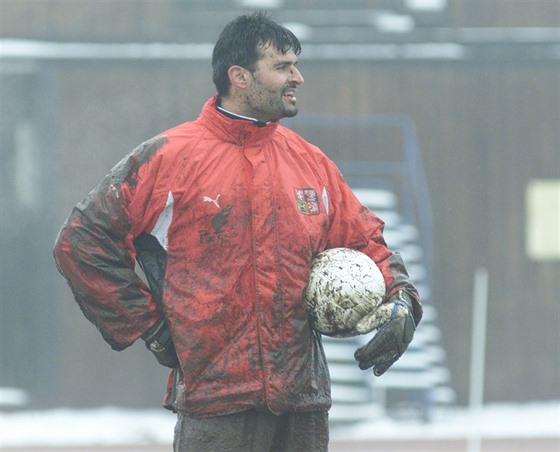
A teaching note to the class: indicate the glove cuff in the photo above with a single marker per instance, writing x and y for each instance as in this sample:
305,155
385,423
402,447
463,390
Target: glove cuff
159,341
158,338
153,333
403,300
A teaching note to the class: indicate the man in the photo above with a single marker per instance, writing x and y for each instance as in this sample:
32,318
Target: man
212,210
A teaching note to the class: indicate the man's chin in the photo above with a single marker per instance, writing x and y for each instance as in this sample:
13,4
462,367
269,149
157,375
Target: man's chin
290,112
286,113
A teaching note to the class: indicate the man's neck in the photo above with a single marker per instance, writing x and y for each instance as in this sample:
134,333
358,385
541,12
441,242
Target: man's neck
233,115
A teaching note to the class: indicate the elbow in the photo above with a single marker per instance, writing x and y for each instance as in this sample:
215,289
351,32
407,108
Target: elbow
62,248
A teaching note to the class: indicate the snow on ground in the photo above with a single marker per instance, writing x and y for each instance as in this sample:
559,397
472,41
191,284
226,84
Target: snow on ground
534,420
117,426
70,427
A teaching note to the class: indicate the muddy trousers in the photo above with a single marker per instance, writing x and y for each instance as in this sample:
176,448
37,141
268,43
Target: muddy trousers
253,431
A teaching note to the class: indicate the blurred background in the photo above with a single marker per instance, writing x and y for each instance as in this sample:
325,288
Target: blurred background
443,114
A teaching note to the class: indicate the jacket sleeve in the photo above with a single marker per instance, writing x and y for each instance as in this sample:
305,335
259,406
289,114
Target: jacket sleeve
353,225
94,250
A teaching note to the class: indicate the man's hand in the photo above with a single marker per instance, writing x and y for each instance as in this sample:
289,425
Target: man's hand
159,342
395,324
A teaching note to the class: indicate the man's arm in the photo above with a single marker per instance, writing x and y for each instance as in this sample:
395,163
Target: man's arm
355,226
94,252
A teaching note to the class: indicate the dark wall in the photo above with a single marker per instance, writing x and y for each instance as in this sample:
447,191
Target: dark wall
201,20
485,130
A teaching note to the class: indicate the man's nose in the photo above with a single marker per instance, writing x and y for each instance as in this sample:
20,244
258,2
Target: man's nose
296,76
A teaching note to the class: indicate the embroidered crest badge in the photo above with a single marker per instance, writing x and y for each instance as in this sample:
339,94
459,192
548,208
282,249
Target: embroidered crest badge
307,201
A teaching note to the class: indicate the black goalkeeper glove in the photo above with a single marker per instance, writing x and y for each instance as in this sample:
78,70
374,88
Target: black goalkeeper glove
395,327
159,342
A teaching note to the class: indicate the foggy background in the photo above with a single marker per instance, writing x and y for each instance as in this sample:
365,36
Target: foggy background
83,83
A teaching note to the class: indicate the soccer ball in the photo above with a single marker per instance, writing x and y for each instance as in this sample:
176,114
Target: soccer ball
344,285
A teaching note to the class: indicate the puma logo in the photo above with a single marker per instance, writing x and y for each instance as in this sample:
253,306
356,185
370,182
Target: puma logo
213,201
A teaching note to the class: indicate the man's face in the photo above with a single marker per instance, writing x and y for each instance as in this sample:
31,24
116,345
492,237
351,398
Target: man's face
271,90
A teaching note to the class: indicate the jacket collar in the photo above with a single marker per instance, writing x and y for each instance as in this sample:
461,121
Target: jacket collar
236,131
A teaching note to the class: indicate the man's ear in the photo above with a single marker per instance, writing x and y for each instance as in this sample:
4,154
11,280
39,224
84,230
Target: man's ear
238,76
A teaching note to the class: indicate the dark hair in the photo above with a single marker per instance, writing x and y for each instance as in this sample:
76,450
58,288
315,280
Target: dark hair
239,45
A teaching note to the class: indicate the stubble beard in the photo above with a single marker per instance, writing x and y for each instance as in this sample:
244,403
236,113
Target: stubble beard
275,105
290,112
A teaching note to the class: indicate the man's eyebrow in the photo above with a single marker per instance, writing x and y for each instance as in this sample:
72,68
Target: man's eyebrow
285,63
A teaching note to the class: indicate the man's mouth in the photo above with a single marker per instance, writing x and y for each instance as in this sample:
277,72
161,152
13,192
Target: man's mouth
291,95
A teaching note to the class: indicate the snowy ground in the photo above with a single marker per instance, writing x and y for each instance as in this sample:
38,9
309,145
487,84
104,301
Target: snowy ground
116,426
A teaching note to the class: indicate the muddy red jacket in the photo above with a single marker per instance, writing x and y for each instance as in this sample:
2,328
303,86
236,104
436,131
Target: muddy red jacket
226,217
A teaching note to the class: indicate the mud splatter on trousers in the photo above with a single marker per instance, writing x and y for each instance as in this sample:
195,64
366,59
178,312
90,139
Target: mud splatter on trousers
253,431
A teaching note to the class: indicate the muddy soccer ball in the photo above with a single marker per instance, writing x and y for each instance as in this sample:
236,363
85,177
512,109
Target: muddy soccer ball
344,285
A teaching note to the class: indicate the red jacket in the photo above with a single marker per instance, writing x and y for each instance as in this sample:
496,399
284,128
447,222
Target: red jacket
236,213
